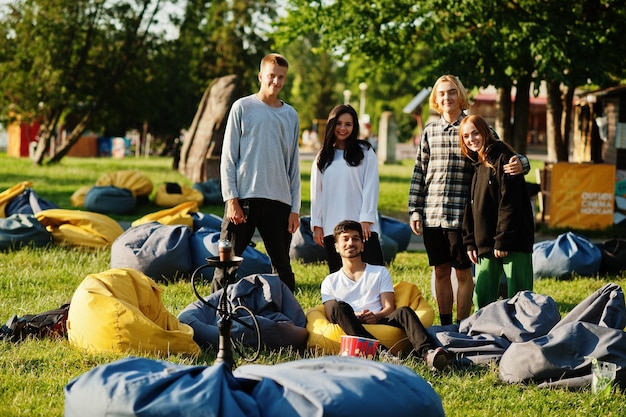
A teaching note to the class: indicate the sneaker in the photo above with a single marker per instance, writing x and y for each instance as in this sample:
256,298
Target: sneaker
438,359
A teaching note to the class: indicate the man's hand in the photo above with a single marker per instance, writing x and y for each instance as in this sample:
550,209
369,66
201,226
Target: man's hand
514,167
234,213
294,222
367,317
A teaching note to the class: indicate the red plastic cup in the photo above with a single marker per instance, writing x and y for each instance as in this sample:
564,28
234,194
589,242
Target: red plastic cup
360,347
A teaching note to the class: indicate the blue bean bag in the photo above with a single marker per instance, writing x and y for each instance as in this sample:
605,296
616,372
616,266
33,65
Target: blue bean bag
210,221
109,199
396,230
160,251
28,202
211,190
568,253
203,244
22,229
332,386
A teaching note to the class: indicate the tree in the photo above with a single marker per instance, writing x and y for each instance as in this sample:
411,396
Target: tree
577,44
511,44
66,60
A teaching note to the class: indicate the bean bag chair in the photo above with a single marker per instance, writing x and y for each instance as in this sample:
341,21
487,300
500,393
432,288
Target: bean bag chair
389,247
20,230
203,244
303,247
135,181
332,386
567,254
78,197
28,202
10,193
162,252
326,336
396,230
210,221
562,357
211,191
171,194
613,256
110,199
281,320
121,311
181,214
80,228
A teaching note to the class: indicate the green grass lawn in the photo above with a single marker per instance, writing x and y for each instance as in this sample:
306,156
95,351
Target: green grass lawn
34,373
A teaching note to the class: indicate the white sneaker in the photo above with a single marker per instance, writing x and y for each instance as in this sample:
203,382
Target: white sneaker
438,359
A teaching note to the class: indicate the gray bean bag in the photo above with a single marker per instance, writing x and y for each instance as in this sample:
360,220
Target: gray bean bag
592,329
160,251
109,199
203,244
22,229
487,334
281,319
331,386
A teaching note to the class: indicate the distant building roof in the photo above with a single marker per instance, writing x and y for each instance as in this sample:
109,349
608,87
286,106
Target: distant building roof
417,100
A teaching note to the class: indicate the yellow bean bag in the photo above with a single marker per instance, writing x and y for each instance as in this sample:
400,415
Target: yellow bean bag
172,194
78,198
325,336
135,181
10,193
121,310
80,228
181,214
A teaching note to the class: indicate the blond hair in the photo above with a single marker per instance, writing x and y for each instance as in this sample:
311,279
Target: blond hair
463,99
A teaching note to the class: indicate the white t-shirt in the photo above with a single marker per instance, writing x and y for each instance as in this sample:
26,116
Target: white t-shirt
362,294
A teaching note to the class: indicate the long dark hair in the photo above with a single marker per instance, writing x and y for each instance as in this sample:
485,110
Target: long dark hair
353,152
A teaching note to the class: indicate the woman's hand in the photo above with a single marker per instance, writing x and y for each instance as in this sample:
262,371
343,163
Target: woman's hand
318,235
367,230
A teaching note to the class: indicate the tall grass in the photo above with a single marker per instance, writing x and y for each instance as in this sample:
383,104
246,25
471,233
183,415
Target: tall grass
33,373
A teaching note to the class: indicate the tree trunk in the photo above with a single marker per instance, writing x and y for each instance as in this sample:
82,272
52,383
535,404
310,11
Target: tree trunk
567,116
202,146
503,115
522,110
557,148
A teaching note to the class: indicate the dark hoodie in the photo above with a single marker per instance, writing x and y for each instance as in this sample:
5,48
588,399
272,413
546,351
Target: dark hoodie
498,214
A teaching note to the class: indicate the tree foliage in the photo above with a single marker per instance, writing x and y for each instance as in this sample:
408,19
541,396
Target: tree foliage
64,61
510,44
107,65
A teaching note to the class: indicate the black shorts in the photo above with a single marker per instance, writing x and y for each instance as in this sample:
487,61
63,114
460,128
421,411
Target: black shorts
445,246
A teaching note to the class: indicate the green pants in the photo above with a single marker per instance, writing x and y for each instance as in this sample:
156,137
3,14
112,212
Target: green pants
516,266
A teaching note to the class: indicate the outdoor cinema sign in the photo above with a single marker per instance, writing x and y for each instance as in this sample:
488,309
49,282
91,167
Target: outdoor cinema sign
582,196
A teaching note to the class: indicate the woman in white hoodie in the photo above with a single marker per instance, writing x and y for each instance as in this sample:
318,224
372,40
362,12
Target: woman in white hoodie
344,186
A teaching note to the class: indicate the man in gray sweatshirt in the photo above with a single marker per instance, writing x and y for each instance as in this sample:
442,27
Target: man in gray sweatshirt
260,171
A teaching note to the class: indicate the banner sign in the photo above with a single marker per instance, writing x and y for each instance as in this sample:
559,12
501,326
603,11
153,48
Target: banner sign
582,196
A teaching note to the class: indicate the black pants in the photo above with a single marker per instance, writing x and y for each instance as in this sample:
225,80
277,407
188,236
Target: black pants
271,218
403,318
372,252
